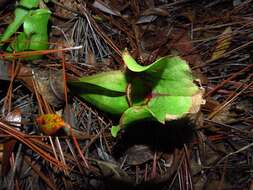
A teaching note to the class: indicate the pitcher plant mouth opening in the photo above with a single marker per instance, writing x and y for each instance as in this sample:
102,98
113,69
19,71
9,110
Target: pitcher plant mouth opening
162,91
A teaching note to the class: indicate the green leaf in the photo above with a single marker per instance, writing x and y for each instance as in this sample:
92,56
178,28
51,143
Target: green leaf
29,4
35,28
20,15
130,116
115,130
105,91
112,80
131,63
20,44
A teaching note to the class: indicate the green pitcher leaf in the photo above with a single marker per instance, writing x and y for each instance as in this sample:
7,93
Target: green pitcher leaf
35,28
21,43
111,80
169,67
20,14
104,90
173,90
168,103
112,103
131,64
34,21
162,91
34,36
130,116
29,4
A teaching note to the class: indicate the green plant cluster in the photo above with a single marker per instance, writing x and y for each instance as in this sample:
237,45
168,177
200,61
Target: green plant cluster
34,22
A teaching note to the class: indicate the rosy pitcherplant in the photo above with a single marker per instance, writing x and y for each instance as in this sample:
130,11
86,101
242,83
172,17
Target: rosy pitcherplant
164,90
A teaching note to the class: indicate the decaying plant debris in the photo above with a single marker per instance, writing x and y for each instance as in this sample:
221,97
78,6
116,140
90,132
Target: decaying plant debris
212,150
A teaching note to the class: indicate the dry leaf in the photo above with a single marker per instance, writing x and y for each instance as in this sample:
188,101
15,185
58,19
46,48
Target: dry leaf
50,123
223,43
51,86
